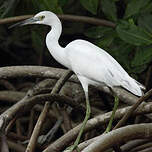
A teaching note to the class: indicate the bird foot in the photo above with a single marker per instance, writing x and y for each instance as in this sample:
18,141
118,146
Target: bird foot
72,148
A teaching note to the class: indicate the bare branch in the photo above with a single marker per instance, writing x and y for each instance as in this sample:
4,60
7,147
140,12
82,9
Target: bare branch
124,134
55,73
11,96
30,71
99,120
16,146
134,143
36,131
73,18
14,19
26,104
133,108
89,20
37,128
4,144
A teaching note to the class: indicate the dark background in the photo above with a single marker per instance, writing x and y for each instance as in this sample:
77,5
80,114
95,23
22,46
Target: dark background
129,42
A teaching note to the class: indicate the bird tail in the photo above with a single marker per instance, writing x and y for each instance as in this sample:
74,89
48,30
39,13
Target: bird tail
135,87
142,87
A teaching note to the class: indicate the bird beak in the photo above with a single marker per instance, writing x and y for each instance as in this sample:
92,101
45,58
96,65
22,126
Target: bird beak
31,20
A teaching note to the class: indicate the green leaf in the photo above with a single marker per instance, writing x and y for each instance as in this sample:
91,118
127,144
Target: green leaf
134,7
50,5
145,21
107,39
133,34
109,9
138,69
143,56
105,42
104,35
63,2
147,8
90,5
7,8
121,53
97,32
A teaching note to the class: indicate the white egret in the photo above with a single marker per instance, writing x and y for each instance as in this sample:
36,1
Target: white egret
91,64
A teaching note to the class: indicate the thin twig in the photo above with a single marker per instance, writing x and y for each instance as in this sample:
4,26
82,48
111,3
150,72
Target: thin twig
10,124
51,114
18,127
47,138
66,120
56,89
7,85
16,146
36,131
4,145
61,81
31,123
132,109
16,137
148,76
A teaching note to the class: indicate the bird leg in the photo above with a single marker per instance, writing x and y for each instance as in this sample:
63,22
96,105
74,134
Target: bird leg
88,111
116,102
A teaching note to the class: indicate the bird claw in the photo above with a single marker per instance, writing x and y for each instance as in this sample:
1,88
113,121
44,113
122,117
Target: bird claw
71,148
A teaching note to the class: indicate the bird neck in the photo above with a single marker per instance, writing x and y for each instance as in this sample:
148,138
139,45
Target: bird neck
52,43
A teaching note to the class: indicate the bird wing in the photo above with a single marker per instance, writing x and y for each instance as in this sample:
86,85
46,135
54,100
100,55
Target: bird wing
95,64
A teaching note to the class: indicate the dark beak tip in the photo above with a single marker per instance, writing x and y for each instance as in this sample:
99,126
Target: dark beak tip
24,22
10,27
14,25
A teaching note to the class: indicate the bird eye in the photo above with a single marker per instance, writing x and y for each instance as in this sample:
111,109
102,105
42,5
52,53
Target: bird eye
42,17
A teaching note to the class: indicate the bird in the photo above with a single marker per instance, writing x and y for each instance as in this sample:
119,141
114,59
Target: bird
91,64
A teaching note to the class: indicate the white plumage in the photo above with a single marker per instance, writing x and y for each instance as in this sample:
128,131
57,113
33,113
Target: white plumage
99,67
87,60
91,64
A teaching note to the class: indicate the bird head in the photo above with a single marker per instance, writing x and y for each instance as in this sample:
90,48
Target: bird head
44,17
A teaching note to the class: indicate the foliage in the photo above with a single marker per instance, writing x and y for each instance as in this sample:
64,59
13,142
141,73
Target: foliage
133,34
109,9
130,42
90,5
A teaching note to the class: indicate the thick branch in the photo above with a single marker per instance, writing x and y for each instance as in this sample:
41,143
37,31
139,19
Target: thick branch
66,139
14,19
83,19
11,96
26,104
30,71
55,73
120,135
134,143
